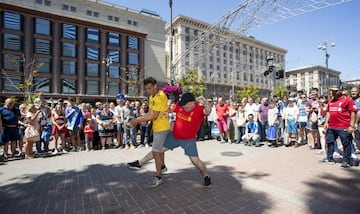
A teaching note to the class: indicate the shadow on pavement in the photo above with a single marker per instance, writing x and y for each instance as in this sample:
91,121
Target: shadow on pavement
331,193
117,189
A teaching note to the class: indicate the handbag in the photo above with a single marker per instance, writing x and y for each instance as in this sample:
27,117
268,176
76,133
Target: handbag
32,134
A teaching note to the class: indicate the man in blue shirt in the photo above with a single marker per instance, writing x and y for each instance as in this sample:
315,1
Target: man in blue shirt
74,117
251,136
10,117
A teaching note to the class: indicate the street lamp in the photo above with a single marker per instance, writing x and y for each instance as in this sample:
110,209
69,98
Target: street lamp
107,62
324,46
171,69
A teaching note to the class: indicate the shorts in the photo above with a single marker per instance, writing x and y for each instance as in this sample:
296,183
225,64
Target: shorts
222,126
119,128
158,140
291,127
74,132
302,125
189,146
89,140
10,134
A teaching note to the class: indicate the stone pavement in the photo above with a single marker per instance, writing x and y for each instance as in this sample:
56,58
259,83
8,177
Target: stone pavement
245,180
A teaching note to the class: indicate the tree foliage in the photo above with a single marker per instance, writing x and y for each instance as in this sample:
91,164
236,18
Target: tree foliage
247,91
192,82
280,91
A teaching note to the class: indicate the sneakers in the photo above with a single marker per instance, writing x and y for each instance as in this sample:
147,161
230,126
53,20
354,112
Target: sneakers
135,165
345,165
325,160
163,170
156,182
55,152
207,181
337,155
132,146
64,151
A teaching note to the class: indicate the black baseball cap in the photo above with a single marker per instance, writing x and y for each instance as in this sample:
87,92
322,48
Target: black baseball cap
185,98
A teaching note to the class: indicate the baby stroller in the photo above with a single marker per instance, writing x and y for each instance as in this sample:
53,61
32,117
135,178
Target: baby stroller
215,133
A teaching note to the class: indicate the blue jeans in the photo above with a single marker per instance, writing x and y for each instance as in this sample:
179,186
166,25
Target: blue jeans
210,125
130,136
241,132
263,127
346,138
144,134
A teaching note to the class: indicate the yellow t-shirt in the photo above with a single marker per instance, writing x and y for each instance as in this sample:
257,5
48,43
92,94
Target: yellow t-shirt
159,102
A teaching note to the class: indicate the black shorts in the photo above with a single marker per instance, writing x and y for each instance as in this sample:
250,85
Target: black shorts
10,134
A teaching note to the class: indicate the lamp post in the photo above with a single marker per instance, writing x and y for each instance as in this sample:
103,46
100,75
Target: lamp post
171,69
107,62
324,45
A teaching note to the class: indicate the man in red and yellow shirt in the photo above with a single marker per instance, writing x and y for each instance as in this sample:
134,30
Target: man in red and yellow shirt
190,114
339,122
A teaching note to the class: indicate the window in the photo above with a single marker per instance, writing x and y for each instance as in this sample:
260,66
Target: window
68,68
116,19
43,65
69,49
114,55
42,26
92,70
133,58
68,86
11,62
92,87
38,1
41,84
47,3
110,18
129,22
245,77
69,31
114,72
114,39
12,42
92,53
89,12
133,42
92,35
65,7
11,82
96,14
134,23
12,21
42,46
73,9
114,88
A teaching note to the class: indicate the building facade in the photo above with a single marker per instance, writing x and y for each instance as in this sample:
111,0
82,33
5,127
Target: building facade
84,48
239,61
309,77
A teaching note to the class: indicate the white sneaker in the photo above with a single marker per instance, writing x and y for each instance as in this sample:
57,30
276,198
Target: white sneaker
353,156
336,155
156,182
55,152
64,151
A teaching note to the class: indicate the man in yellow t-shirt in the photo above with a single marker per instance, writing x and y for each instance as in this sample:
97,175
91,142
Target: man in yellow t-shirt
158,114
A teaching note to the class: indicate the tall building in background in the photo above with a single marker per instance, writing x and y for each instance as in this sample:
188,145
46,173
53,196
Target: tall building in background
309,77
240,61
71,39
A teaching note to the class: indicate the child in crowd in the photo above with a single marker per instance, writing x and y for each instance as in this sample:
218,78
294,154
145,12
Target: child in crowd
272,128
89,134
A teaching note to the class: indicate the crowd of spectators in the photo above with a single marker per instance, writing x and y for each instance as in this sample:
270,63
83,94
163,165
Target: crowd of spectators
293,121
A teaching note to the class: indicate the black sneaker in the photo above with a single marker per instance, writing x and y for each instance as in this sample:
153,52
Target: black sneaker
207,181
134,165
325,160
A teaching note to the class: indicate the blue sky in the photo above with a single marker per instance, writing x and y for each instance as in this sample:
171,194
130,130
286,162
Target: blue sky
299,35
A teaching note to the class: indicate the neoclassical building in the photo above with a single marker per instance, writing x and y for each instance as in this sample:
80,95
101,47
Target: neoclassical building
305,78
85,48
240,61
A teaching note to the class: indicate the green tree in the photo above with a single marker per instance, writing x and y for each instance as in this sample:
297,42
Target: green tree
280,91
247,91
192,82
30,70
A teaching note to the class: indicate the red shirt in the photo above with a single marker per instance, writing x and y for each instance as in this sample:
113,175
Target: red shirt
221,110
89,134
340,112
187,124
